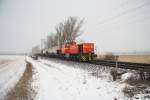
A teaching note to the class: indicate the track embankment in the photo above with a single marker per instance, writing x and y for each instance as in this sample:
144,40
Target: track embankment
23,90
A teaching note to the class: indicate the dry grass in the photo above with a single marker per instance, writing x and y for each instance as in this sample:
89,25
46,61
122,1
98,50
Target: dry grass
107,56
22,90
5,61
135,58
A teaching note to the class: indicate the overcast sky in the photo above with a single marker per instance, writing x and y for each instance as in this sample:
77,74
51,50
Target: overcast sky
114,25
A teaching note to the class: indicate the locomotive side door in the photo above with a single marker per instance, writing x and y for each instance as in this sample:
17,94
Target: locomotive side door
81,54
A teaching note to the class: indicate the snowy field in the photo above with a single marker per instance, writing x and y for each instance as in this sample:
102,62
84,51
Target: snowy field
59,80
11,70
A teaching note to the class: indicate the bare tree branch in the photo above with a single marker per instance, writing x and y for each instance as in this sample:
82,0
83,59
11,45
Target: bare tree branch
69,30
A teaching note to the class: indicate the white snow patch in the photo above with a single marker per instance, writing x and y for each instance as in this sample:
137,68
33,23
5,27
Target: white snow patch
130,77
60,82
10,74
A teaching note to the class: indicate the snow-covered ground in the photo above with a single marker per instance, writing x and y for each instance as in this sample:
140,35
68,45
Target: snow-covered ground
58,81
61,80
10,72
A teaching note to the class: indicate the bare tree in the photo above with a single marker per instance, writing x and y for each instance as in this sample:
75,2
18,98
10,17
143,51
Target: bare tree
72,28
60,34
69,30
55,41
36,49
52,40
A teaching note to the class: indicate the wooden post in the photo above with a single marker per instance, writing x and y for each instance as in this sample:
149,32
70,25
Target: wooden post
116,58
114,72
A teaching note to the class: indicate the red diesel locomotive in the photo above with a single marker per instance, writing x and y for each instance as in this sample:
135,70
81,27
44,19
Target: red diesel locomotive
80,52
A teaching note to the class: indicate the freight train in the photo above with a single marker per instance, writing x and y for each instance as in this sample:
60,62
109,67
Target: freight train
73,51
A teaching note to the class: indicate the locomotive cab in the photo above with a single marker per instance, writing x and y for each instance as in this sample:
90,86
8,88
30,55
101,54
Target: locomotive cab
86,51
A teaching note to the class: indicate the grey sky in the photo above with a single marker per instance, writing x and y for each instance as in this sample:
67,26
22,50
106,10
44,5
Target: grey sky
114,25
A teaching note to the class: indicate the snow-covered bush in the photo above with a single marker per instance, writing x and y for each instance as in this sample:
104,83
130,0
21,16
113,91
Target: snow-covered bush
128,89
130,77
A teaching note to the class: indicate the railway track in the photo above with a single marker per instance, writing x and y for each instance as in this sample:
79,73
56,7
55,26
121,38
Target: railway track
125,65
143,67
